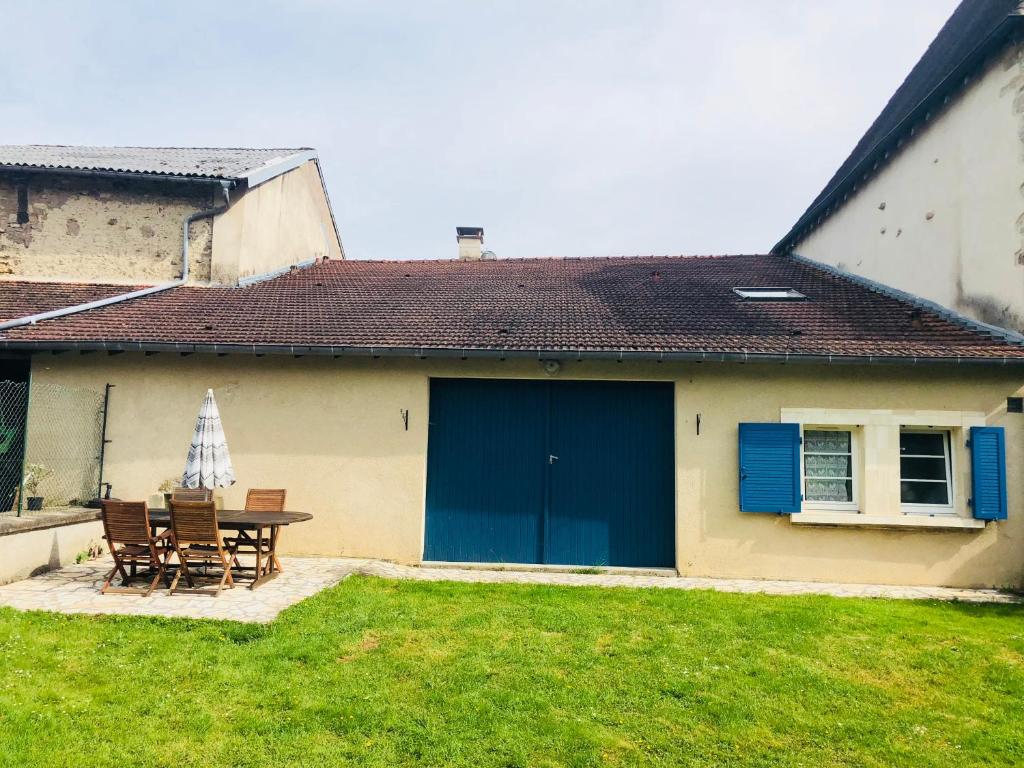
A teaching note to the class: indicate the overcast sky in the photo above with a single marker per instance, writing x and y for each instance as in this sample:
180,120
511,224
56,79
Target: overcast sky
564,128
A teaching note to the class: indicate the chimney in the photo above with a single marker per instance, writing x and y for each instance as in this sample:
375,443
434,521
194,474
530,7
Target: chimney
471,243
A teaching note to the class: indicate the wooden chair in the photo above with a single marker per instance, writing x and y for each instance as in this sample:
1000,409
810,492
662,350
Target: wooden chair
260,500
192,494
197,539
131,542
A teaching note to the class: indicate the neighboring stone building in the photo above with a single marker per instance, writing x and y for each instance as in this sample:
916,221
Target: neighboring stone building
931,200
117,214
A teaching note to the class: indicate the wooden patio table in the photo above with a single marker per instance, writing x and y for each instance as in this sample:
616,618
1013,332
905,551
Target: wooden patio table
267,567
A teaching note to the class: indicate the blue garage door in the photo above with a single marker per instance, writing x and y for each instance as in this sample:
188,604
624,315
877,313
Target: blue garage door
566,472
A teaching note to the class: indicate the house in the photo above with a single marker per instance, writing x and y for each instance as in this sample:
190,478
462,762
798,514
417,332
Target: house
929,200
757,416
116,214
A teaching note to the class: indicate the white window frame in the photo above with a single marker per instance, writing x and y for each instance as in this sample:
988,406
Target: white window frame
852,506
768,293
948,508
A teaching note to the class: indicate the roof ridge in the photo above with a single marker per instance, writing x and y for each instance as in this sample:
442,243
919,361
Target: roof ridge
161,146
253,165
517,259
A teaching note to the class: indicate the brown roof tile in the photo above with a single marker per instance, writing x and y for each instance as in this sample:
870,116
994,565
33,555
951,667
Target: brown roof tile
631,304
20,298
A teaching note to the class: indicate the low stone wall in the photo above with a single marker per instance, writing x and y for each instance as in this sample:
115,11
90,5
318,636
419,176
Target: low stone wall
39,542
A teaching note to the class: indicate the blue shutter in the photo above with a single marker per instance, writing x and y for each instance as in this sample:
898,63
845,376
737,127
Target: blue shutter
770,468
988,473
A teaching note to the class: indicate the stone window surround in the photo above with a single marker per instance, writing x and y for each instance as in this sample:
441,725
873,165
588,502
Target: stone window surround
878,466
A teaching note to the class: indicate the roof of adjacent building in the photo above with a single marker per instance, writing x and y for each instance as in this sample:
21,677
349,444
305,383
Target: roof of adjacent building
604,307
215,164
976,28
21,298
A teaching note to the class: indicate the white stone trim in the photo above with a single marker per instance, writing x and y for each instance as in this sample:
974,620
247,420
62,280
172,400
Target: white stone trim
879,462
887,521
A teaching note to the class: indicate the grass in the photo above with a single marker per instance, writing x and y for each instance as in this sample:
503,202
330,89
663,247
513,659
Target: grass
388,673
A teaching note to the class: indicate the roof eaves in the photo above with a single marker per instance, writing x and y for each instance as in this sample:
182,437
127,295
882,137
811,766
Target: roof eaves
68,170
1003,334
497,353
883,149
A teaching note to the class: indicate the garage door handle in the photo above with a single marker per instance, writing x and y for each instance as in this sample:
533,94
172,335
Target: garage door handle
552,458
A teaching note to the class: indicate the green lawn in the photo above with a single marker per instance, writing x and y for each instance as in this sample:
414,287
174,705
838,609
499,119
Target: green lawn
388,673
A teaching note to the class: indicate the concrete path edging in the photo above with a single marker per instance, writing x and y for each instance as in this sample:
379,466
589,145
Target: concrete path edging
75,589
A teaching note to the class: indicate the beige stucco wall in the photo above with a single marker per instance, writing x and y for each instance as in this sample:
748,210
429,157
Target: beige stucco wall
281,222
952,226
332,433
95,229
29,553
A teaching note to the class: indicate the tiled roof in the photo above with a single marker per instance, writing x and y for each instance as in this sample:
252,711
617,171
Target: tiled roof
207,163
975,27
596,305
21,298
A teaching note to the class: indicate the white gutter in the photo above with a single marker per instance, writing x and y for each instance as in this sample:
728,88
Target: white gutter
63,311
274,168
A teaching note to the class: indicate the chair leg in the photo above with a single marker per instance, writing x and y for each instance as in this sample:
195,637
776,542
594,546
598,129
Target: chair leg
119,567
177,575
155,581
161,570
167,574
183,569
188,572
227,577
110,577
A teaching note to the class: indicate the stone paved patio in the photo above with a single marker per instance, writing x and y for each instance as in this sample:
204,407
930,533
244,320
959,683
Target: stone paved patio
75,589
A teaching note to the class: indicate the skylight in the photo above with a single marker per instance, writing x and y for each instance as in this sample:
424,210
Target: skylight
768,293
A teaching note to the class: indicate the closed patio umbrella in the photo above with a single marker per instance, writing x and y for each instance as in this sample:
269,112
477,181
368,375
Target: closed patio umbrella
209,463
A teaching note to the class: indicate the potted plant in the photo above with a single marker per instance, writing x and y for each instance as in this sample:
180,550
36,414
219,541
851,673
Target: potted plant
34,475
166,487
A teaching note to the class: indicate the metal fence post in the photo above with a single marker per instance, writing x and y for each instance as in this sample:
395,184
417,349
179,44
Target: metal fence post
24,443
103,436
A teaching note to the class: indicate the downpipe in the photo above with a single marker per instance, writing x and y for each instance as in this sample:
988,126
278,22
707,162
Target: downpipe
105,302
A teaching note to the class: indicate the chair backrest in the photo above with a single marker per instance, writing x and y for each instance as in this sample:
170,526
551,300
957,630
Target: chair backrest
265,500
191,494
194,522
126,522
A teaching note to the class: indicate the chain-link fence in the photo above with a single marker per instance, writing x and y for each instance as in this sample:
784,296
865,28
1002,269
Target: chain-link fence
13,417
51,439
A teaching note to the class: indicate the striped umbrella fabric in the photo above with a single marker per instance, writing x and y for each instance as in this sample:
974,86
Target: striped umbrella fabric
209,463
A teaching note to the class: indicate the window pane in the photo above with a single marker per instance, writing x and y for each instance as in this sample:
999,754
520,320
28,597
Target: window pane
827,466
923,443
826,441
829,490
923,493
923,469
